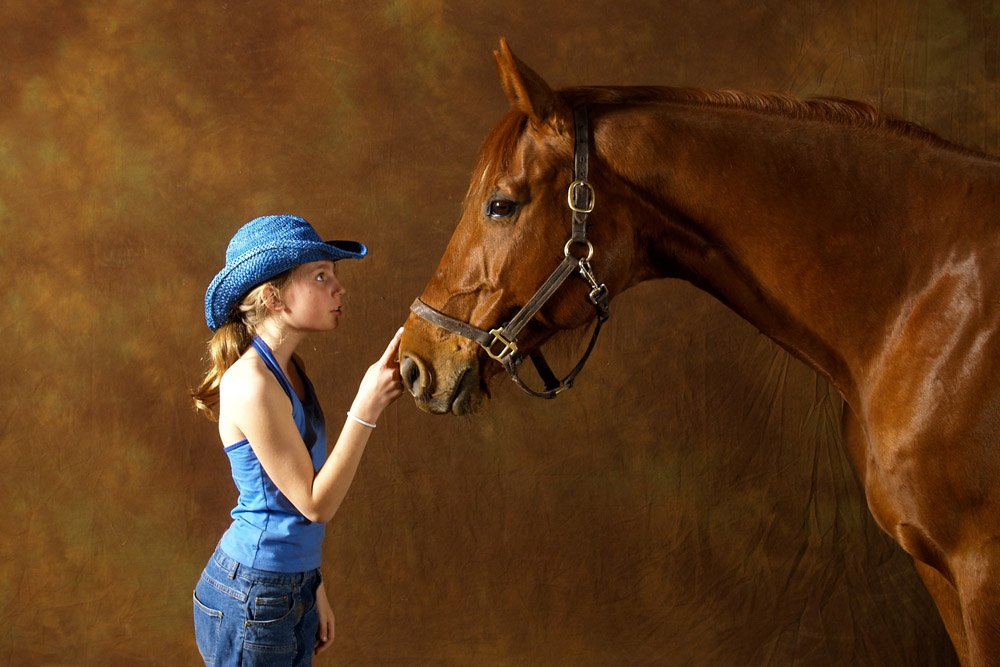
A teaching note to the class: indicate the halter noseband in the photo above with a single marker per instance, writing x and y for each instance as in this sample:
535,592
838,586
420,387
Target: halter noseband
501,343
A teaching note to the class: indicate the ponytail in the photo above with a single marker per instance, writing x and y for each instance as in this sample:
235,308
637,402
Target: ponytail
233,338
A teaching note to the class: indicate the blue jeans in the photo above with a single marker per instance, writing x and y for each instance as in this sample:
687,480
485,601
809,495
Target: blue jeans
245,616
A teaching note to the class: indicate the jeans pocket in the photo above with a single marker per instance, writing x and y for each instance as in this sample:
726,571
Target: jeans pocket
207,623
271,602
273,613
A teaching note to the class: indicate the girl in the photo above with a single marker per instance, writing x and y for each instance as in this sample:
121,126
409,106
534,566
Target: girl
260,599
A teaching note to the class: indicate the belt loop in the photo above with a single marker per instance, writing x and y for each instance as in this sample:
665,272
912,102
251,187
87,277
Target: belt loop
230,565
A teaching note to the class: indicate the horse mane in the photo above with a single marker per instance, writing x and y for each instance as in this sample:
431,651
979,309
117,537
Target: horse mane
827,109
498,146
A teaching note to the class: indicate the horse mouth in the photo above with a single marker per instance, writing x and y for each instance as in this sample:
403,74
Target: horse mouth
466,397
459,392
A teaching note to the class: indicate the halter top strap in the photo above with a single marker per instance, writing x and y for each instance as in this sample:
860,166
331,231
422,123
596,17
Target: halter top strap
265,353
268,532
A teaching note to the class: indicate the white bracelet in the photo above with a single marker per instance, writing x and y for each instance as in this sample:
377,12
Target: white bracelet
360,421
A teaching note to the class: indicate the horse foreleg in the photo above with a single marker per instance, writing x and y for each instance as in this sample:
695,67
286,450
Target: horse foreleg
946,598
945,595
977,578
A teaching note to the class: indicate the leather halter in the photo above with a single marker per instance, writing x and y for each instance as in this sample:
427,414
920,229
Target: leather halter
501,343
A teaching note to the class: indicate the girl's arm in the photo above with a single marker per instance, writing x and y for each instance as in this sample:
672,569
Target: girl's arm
259,407
324,636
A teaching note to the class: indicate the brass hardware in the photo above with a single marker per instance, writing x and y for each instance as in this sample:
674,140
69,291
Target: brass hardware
591,196
509,346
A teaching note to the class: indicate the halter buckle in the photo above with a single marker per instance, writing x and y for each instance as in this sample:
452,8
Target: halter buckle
571,196
509,346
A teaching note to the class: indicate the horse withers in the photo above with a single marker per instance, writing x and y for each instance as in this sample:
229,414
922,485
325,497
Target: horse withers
866,246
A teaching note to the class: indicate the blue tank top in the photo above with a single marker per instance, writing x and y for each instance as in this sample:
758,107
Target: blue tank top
268,532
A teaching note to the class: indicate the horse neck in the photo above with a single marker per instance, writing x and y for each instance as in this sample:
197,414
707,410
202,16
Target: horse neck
815,232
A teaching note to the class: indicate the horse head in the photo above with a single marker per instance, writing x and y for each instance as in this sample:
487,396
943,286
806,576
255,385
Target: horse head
514,231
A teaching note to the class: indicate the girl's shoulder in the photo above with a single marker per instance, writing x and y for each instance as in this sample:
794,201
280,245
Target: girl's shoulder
249,396
247,380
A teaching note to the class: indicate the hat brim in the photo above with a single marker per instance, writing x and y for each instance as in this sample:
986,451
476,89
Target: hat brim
250,269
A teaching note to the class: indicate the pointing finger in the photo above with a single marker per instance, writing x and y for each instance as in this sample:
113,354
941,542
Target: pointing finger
393,347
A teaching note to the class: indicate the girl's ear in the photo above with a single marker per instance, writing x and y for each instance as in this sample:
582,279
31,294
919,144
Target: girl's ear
272,298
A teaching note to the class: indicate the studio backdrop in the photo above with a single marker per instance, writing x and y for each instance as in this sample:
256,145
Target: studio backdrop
689,502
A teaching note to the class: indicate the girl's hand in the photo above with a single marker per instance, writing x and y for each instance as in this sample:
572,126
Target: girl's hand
381,385
324,636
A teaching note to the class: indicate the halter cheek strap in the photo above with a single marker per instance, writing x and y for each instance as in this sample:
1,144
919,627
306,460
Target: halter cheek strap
501,343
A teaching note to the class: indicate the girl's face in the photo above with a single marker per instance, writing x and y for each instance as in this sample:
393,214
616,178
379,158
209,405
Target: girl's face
311,300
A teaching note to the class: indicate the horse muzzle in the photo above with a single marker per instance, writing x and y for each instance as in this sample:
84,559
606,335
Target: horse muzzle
441,377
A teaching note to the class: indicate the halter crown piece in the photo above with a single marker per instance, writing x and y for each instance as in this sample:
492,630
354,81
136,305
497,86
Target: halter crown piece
501,343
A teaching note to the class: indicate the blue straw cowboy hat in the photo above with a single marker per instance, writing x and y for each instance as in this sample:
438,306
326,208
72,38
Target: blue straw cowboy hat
263,248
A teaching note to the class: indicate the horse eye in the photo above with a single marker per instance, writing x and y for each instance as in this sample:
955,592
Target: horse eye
500,208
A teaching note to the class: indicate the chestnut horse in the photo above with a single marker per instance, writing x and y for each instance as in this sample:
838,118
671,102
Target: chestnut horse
865,246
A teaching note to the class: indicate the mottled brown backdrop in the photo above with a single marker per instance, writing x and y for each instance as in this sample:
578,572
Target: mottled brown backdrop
689,503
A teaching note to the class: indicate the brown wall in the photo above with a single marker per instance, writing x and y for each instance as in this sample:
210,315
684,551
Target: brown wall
689,503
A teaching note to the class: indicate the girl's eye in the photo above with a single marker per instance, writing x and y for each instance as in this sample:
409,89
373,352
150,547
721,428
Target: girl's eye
321,277
500,208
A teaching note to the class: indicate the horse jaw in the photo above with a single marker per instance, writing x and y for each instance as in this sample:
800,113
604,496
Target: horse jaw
441,372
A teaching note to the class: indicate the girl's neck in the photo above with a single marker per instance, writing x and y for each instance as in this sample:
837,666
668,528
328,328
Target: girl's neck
281,342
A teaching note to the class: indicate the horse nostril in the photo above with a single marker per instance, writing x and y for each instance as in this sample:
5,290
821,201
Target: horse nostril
409,370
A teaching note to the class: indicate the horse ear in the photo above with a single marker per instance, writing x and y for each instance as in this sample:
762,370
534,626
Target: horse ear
528,92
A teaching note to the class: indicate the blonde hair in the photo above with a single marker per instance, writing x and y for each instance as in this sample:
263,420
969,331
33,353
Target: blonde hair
233,338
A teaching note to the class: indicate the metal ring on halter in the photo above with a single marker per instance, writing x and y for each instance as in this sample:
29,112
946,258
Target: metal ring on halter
590,249
509,346
591,196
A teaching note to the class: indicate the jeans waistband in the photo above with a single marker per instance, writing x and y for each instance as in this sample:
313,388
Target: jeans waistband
233,569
